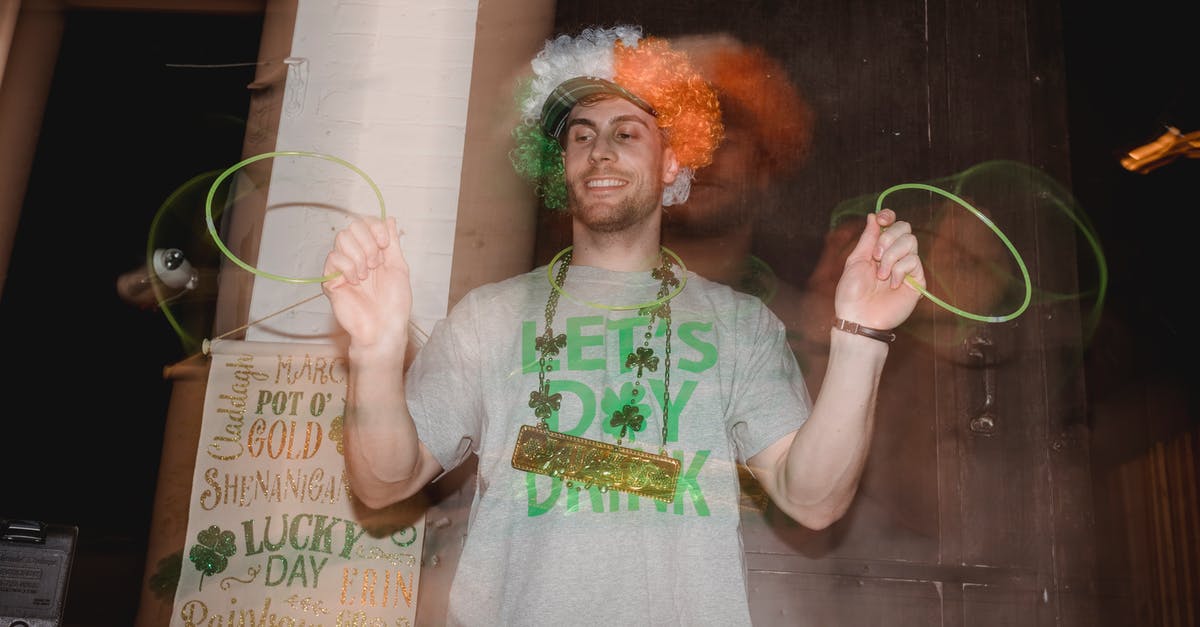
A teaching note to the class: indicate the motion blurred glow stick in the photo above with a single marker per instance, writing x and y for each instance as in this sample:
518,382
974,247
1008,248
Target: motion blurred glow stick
995,229
212,228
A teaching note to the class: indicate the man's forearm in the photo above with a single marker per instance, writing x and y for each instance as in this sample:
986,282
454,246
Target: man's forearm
825,460
383,453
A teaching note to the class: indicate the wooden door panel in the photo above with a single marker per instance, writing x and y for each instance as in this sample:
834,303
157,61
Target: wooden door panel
802,599
989,605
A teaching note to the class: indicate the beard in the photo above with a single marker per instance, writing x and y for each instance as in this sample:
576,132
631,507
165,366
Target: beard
616,215
608,218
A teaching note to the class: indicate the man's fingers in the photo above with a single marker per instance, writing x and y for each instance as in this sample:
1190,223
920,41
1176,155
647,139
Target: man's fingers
349,253
347,270
892,247
333,284
386,232
908,265
889,237
866,241
362,247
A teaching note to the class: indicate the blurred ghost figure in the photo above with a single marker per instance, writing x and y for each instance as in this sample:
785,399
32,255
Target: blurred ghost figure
769,130
768,134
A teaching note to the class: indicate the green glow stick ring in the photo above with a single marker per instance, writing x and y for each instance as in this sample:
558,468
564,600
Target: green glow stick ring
212,228
991,225
651,303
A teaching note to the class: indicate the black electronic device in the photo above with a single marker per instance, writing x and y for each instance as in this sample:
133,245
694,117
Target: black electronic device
35,567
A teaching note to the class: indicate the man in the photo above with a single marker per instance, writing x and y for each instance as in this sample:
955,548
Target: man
610,395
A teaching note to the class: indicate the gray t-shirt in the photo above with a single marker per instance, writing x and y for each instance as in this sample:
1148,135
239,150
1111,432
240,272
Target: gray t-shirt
540,553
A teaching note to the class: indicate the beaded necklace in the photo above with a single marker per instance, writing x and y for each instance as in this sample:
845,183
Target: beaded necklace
584,463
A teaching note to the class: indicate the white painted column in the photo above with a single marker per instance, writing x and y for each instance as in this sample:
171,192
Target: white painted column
383,85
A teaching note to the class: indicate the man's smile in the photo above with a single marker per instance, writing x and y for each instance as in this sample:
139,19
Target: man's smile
604,182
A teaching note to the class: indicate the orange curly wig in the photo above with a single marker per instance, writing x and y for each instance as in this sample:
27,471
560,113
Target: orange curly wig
755,86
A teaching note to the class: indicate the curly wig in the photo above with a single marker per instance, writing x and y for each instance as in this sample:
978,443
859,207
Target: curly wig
685,105
755,87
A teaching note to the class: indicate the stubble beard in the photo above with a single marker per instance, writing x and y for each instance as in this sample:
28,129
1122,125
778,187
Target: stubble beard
603,217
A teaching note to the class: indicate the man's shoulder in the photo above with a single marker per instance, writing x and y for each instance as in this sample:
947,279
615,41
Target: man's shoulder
728,307
516,287
721,293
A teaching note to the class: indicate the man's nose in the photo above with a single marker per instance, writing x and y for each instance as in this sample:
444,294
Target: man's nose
601,150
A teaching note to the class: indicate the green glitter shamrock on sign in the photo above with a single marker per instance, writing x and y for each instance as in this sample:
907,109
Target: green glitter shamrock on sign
211,553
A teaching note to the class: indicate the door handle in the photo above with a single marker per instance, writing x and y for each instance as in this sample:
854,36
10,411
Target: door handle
980,356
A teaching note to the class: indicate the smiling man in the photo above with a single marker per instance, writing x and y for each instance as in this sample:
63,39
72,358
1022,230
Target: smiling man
615,166
611,394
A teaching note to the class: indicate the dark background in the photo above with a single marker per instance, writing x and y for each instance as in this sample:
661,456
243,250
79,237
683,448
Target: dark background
123,130
1127,82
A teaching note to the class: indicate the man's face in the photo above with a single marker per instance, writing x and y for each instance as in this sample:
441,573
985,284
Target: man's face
616,165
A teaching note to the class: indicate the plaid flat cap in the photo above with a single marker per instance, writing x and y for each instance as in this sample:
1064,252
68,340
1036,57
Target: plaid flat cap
559,103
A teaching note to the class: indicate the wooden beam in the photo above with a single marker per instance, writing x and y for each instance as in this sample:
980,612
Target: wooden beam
172,6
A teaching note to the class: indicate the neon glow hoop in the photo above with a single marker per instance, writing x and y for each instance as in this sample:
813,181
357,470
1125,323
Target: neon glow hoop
212,228
995,229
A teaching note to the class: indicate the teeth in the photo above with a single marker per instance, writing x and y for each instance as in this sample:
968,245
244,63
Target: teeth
604,183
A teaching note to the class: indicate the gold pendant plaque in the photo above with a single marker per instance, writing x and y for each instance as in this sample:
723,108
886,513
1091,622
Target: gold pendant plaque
588,463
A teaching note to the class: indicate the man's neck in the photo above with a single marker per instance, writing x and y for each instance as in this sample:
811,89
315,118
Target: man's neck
626,251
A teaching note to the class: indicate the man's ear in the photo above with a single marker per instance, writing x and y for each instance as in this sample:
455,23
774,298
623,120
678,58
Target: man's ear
670,166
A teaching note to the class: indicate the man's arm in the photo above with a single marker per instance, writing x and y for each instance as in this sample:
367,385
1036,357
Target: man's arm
372,301
812,474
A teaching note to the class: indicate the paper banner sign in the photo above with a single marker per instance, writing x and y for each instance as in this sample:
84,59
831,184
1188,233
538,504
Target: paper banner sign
274,535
